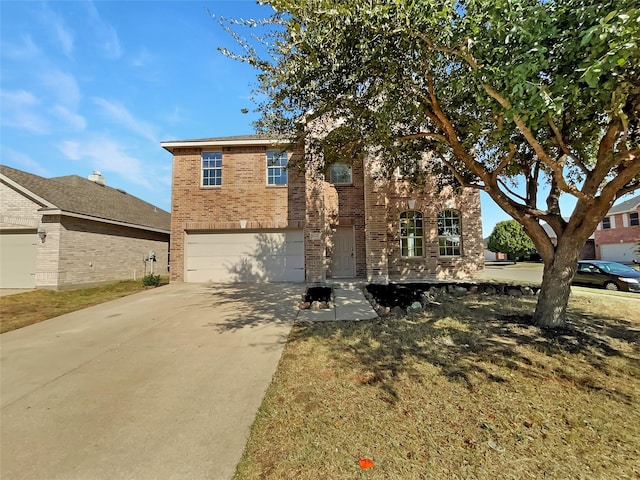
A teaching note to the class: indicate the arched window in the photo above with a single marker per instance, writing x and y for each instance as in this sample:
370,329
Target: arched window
449,233
411,234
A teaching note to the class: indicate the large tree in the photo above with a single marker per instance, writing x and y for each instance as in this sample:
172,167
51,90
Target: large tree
509,237
527,100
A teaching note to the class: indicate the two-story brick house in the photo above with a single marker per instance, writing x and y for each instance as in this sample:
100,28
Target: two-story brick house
244,210
616,234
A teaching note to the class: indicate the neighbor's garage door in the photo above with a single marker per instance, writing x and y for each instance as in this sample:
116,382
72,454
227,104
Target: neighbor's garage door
18,260
618,252
266,256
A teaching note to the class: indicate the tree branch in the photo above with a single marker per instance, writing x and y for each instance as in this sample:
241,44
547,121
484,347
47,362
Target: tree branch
564,147
414,136
605,158
511,192
454,172
505,161
461,53
537,148
532,185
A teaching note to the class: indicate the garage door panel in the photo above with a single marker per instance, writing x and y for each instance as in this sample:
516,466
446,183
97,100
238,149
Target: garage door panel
274,256
618,252
18,260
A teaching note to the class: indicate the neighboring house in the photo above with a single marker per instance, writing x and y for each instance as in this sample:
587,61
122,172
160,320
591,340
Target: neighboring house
243,210
616,234
588,251
68,231
490,256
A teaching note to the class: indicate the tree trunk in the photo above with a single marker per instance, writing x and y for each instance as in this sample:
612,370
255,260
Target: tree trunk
551,309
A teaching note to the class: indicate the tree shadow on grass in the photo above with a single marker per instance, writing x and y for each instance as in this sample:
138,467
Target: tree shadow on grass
475,337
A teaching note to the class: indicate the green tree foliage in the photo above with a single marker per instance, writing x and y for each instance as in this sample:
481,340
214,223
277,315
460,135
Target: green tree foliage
507,96
509,237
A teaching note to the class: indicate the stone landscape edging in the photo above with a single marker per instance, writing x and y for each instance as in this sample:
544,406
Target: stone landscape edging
433,293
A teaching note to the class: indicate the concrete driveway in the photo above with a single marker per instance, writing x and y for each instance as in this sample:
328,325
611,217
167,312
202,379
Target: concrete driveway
160,384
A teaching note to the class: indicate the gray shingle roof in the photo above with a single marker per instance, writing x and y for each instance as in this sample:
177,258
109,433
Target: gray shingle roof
626,206
78,195
248,137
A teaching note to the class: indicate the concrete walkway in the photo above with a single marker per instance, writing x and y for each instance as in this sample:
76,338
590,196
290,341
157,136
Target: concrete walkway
350,304
161,384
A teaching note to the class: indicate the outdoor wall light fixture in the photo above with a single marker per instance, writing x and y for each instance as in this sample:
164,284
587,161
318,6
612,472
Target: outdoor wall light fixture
42,233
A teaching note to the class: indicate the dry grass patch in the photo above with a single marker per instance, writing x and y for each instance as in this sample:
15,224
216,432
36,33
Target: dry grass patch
468,390
20,310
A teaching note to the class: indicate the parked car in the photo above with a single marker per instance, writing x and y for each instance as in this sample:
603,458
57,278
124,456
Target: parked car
610,275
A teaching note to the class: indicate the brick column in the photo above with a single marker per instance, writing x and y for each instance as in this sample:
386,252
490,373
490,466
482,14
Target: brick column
314,230
375,228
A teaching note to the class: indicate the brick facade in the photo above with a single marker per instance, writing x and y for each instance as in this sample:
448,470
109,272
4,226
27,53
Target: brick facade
80,251
370,207
620,230
18,211
84,252
243,195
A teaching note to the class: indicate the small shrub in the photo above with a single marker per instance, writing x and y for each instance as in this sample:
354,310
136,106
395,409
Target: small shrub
151,280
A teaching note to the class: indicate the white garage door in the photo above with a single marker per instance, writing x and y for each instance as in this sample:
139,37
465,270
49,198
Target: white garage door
265,256
618,252
18,260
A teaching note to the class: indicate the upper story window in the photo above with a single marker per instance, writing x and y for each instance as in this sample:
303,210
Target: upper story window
276,167
407,170
606,223
211,169
633,219
340,175
449,232
411,234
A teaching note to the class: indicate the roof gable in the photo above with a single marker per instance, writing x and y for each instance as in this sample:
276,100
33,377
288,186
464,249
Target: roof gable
74,194
630,205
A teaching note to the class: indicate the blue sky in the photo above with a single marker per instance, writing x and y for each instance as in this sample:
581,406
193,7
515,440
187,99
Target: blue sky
98,85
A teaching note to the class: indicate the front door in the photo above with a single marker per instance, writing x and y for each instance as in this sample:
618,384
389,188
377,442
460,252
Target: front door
343,261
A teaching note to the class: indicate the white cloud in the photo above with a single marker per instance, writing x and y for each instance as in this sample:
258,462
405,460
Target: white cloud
61,31
142,59
26,49
120,115
62,86
65,37
20,109
175,117
106,34
18,98
24,161
108,155
70,149
69,118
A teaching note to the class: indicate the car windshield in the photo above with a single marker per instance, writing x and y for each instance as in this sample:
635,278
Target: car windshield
617,268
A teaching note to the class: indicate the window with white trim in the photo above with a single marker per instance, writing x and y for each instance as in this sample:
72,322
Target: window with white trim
606,223
407,170
211,169
449,233
633,219
411,234
276,167
340,175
